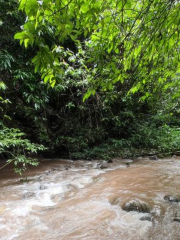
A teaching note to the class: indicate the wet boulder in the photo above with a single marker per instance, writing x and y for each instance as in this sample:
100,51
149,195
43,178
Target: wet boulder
136,206
171,198
153,158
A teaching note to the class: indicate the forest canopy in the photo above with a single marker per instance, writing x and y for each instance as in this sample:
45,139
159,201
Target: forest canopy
111,41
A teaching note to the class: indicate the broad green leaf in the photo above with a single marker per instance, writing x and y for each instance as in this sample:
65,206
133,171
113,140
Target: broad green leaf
84,8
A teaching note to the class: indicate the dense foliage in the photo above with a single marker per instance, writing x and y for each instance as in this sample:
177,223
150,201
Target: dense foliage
106,79
122,40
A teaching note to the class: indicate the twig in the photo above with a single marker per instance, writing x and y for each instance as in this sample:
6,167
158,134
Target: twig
2,209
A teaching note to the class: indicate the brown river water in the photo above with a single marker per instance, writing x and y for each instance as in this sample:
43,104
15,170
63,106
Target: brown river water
66,200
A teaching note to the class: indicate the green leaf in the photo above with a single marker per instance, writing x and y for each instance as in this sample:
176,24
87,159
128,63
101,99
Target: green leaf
2,85
84,8
22,4
31,7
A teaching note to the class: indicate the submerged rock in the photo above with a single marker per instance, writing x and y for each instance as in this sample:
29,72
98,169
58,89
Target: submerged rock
28,195
177,153
154,158
24,180
146,218
170,198
100,165
41,177
176,219
42,187
57,198
103,166
110,161
47,172
55,169
127,164
136,206
114,200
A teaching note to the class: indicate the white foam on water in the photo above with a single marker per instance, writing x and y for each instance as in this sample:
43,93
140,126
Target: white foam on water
22,211
80,182
34,222
13,236
45,200
3,226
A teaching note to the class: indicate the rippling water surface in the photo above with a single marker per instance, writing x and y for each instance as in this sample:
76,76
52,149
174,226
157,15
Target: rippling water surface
65,200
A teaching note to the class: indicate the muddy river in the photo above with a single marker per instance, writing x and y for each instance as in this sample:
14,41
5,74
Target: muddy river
83,200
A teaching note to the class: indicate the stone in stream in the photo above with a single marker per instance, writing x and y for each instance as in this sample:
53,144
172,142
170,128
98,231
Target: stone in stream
55,169
103,166
177,153
154,158
176,219
100,165
127,164
67,166
42,187
47,172
171,199
28,195
41,178
110,161
146,218
57,198
136,206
